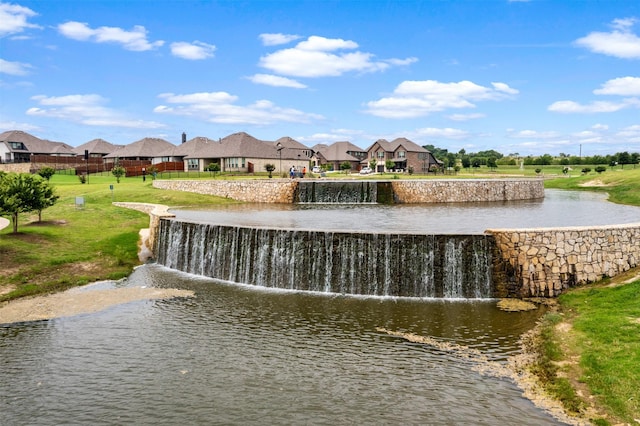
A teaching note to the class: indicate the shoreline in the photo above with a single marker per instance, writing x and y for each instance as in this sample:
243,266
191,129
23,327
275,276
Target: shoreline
80,300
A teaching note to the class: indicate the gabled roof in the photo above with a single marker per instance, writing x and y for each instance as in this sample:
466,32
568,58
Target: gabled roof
36,145
144,148
288,142
193,148
408,145
337,151
96,146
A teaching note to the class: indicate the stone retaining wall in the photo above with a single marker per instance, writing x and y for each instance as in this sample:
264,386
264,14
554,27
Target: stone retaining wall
148,236
546,261
466,190
254,191
405,191
15,167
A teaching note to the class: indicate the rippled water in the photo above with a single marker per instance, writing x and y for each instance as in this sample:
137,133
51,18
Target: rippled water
237,355
557,209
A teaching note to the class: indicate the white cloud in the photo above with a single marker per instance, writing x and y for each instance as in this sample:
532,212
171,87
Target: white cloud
600,127
85,109
276,81
465,117
444,133
533,134
276,39
135,40
219,107
14,68
623,86
593,107
324,57
412,99
193,51
13,18
13,125
620,42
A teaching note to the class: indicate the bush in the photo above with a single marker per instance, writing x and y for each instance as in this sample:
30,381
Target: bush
586,170
600,169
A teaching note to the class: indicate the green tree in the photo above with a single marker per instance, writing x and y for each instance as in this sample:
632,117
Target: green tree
345,166
214,167
47,172
373,163
269,168
22,193
118,171
389,164
491,163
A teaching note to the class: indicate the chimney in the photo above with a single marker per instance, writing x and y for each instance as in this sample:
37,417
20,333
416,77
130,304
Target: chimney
184,137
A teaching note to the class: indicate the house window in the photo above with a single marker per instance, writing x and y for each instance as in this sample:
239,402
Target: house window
401,154
192,163
380,154
17,145
235,162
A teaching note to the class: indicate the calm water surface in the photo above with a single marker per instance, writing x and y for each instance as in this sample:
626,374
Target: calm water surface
557,209
236,355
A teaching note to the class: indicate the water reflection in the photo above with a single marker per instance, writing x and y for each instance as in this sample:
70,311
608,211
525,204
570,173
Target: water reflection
237,355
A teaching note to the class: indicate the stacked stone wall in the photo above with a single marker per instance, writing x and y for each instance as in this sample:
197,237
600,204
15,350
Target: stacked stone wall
466,190
546,261
254,191
15,167
404,191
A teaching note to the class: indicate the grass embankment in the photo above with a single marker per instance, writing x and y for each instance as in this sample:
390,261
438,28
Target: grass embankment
590,349
75,246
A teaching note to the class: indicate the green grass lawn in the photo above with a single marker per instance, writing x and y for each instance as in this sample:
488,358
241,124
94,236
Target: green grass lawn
74,246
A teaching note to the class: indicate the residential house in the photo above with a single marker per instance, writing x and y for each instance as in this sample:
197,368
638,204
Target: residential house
17,146
241,152
96,148
146,149
332,156
403,153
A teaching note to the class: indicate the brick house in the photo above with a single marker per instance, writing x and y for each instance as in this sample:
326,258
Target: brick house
405,155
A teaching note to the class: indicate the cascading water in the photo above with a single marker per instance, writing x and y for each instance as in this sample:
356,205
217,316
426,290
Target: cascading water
412,265
350,192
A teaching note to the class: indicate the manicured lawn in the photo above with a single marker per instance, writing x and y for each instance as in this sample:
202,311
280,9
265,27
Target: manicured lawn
74,246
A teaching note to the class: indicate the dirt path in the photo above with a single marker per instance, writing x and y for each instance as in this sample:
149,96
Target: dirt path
82,300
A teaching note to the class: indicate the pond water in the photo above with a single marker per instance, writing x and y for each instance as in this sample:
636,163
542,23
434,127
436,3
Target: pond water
235,355
557,209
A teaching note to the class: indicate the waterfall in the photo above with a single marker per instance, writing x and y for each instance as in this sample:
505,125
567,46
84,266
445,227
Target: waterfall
412,265
351,192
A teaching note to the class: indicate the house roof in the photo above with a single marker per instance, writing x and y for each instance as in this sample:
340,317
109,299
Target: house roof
96,146
191,148
408,145
36,145
147,147
337,151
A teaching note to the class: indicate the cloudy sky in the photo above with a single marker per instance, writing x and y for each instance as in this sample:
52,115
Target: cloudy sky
528,77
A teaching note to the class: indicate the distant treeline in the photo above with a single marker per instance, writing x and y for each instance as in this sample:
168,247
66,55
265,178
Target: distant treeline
493,158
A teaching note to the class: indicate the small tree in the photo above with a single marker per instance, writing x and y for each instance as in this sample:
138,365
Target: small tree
118,171
47,172
22,193
269,168
213,167
389,164
346,166
372,164
600,169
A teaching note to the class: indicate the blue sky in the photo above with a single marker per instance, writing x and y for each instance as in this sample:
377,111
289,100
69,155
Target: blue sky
527,77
